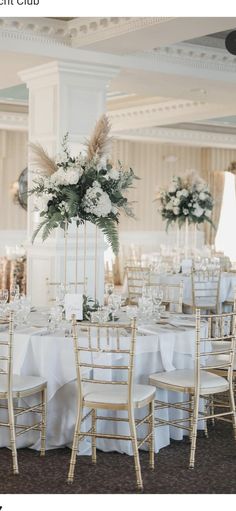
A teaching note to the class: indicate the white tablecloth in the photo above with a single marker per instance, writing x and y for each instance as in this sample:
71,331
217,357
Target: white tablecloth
161,347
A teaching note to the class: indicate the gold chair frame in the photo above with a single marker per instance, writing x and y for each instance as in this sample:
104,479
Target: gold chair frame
198,279
195,392
115,331
137,277
17,411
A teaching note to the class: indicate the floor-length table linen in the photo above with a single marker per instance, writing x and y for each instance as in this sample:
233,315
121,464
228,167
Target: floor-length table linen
158,348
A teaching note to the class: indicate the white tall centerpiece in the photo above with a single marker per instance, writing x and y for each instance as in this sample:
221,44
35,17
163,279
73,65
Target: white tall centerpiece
186,201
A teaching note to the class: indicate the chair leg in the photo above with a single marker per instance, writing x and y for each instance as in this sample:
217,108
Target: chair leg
94,424
212,409
135,449
75,445
206,406
44,420
12,436
151,430
194,432
232,409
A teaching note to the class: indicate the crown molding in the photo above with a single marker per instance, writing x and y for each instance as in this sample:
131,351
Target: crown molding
164,113
85,31
14,121
179,137
41,30
192,56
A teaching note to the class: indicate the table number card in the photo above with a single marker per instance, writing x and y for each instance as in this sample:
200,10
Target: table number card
74,305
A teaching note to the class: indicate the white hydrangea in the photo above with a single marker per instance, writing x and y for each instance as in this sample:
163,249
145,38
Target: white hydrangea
41,201
96,201
182,193
175,201
63,177
185,211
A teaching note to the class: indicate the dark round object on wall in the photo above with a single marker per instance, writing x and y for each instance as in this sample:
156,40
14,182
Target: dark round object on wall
23,188
230,42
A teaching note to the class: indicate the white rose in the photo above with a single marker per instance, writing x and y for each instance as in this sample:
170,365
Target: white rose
198,211
202,196
176,201
185,211
41,201
176,211
114,174
172,188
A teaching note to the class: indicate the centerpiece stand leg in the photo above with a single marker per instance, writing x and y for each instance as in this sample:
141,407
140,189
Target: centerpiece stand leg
186,239
76,257
65,258
95,263
85,258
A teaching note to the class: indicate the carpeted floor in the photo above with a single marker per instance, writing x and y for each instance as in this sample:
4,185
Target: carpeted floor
215,470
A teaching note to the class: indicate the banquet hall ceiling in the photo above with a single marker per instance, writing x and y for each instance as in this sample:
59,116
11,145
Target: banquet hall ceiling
175,74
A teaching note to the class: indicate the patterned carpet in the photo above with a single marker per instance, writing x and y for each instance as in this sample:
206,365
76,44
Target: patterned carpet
215,470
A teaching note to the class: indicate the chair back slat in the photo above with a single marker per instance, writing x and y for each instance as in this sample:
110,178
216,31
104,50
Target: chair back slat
219,329
206,289
137,277
6,351
104,353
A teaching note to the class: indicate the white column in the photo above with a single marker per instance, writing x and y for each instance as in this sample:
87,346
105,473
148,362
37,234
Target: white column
63,97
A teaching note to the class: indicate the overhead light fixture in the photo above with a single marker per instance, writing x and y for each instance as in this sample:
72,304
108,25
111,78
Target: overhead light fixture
230,42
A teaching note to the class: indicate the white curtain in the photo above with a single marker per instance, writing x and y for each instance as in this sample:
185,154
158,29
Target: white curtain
225,237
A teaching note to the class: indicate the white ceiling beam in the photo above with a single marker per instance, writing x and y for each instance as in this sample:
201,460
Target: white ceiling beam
127,35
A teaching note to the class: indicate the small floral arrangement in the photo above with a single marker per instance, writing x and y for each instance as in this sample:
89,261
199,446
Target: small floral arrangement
82,188
187,197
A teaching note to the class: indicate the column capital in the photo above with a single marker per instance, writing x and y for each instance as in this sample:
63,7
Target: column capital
51,72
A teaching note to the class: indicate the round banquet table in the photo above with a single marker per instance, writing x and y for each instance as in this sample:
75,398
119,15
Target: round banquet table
159,347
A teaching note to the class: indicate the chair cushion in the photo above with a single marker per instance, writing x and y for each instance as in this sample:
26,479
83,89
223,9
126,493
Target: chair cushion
184,379
217,360
21,383
116,394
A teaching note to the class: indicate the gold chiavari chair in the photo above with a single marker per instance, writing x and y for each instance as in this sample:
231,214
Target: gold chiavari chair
206,290
201,381
137,277
102,348
172,295
13,388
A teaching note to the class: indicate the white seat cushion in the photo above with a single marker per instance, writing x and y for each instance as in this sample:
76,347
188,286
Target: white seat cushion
217,360
116,394
184,379
21,383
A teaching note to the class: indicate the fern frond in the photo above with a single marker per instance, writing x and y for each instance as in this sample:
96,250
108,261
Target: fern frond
109,229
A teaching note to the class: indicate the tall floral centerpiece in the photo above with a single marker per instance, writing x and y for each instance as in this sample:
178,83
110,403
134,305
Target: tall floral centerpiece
83,188
186,201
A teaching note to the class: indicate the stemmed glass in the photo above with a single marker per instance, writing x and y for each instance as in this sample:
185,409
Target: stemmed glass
157,297
114,304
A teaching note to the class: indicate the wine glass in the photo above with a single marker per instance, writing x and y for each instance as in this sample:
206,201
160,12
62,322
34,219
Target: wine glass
114,303
14,293
157,297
